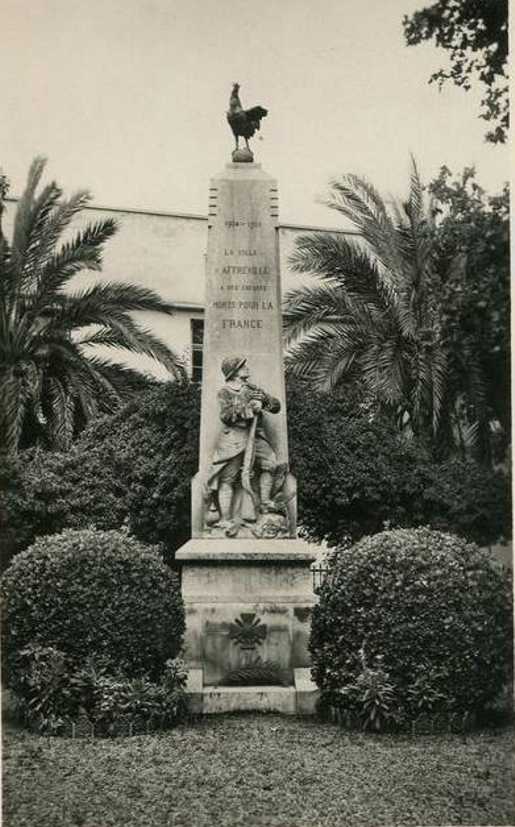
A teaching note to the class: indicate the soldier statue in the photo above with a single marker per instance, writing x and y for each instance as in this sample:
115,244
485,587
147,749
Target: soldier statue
243,447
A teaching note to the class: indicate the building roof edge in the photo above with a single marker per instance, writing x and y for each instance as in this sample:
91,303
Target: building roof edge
198,217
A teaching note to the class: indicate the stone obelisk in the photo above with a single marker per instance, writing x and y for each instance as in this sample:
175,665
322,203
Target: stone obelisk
246,578
243,322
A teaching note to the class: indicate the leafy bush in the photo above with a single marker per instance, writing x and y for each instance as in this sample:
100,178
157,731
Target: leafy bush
88,593
354,474
52,693
464,498
140,699
134,467
45,492
474,228
428,611
41,682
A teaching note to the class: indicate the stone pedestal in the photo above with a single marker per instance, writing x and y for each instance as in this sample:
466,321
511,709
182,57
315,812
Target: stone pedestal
248,601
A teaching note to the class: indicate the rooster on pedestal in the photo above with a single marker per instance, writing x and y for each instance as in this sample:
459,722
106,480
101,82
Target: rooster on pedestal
243,122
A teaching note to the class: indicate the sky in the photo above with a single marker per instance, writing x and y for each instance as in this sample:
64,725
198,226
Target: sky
127,98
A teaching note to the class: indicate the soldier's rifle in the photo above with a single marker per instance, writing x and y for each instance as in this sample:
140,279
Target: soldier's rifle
248,461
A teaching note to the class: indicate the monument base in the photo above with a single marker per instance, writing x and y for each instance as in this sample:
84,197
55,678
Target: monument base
248,609
299,699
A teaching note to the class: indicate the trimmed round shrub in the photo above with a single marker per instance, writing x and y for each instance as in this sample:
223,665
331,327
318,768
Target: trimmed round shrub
92,594
412,621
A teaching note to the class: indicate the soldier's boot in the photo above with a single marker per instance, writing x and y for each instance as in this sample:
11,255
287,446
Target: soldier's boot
265,489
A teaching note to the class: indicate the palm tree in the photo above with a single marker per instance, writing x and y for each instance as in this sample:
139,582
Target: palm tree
373,316
49,371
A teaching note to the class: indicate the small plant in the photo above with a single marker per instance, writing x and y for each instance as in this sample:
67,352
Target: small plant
44,688
54,695
371,697
140,699
423,695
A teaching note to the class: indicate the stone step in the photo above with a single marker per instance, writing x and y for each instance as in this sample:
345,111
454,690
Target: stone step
249,699
300,699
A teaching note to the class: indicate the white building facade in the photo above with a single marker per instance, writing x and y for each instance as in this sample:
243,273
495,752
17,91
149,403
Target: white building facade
166,252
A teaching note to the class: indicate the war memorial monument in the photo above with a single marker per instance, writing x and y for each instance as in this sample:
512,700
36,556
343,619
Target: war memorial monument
246,578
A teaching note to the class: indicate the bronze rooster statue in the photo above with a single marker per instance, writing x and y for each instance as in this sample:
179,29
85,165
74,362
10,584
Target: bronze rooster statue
243,122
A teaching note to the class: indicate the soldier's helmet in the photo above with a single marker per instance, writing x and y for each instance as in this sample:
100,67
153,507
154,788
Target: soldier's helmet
231,365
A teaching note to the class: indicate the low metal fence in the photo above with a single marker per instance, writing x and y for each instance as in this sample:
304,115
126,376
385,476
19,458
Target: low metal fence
124,726
423,724
319,573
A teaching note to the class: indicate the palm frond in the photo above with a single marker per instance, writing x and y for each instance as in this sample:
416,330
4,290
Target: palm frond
331,255
399,215
339,365
28,259
440,385
84,252
349,269
402,311
13,407
57,221
94,304
24,212
69,365
125,380
62,410
337,258
136,339
97,381
306,307
383,370
103,336
473,377
85,394
328,355
356,199
416,199
359,201
129,336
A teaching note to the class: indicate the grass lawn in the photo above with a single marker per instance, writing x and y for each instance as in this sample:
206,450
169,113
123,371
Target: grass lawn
258,770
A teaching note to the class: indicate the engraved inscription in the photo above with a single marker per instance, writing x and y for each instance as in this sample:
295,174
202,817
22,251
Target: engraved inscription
231,269
242,324
229,252
252,225
235,287
244,314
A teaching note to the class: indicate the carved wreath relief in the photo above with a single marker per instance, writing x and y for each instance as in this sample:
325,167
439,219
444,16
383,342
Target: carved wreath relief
244,491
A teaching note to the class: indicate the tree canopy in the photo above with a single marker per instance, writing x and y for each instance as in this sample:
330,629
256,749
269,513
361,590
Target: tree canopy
475,35
474,233
53,380
354,471
372,315
401,310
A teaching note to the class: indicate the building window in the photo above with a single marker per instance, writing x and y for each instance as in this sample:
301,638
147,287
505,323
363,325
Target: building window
197,344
